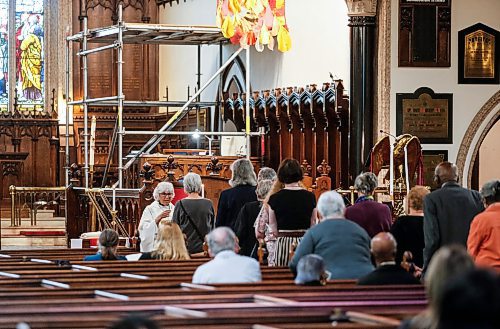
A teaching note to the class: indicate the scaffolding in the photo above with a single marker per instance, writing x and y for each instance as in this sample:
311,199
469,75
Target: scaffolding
114,37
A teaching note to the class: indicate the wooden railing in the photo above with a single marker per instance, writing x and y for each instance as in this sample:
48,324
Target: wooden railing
27,201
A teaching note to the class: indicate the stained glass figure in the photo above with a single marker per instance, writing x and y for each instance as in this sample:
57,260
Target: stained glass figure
4,54
29,53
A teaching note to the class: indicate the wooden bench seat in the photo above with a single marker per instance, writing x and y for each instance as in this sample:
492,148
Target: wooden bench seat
274,303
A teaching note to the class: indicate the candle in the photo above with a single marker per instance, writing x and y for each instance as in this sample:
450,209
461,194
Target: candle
391,171
114,198
92,140
202,190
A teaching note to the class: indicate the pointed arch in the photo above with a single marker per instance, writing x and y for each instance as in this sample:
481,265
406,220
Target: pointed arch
474,136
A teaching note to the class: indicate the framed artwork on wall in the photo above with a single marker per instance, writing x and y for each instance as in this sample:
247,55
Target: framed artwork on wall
425,114
431,160
424,33
478,55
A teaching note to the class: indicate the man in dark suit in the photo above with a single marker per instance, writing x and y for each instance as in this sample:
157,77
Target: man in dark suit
383,248
448,211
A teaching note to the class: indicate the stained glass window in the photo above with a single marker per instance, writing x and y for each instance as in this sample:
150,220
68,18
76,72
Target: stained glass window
4,54
29,36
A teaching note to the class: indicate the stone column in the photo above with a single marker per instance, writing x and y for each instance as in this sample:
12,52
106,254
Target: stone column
362,40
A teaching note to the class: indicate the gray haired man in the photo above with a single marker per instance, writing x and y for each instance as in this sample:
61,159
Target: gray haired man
226,266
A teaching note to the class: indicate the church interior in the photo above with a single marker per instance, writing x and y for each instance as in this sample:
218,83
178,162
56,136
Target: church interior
103,100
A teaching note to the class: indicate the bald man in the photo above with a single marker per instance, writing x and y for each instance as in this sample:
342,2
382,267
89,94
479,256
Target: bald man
383,248
448,211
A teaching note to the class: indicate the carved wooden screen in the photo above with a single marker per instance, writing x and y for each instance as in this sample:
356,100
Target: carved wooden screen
310,125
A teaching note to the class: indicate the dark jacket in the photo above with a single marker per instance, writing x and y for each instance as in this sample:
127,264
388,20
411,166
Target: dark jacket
245,230
230,203
388,274
448,213
409,234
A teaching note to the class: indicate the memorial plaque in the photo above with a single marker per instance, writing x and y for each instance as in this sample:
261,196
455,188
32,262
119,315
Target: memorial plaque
426,115
478,55
431,160
424,33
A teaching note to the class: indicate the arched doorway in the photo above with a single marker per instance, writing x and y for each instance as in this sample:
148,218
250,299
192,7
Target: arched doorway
484,120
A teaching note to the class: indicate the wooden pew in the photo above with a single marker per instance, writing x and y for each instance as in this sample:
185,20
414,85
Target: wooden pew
274,303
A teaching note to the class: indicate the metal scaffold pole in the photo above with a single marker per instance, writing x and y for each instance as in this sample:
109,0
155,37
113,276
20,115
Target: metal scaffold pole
155,140
85,105
66,135
120,96
247,105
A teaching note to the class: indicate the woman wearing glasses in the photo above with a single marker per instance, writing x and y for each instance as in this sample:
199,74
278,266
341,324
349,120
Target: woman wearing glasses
161,209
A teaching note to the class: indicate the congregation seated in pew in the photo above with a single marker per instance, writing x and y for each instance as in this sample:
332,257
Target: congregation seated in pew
446,264
471,301
108,244
169,244
226,266
383,248
343,244
311,271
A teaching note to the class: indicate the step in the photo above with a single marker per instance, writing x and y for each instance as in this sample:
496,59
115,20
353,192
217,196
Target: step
10,241
41,214
17,230
40,222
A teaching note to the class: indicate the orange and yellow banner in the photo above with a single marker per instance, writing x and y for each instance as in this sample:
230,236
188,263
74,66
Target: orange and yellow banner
254,23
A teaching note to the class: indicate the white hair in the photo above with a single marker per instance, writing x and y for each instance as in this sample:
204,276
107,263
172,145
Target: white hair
331,205
220,239
242,173
192,183
161,188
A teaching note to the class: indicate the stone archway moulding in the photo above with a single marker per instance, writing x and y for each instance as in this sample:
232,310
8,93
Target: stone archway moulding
474,136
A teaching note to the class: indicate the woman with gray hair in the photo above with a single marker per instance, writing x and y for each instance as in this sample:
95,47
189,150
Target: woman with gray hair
242,190
161,209
246,219
371,215
194,214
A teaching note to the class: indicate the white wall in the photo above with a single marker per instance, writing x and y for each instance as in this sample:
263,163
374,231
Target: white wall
489,154
467,99
320,44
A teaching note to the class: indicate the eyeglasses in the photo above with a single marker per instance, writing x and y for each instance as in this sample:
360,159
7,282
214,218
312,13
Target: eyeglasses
166,194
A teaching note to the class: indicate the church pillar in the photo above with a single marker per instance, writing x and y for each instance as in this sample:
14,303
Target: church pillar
362,41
